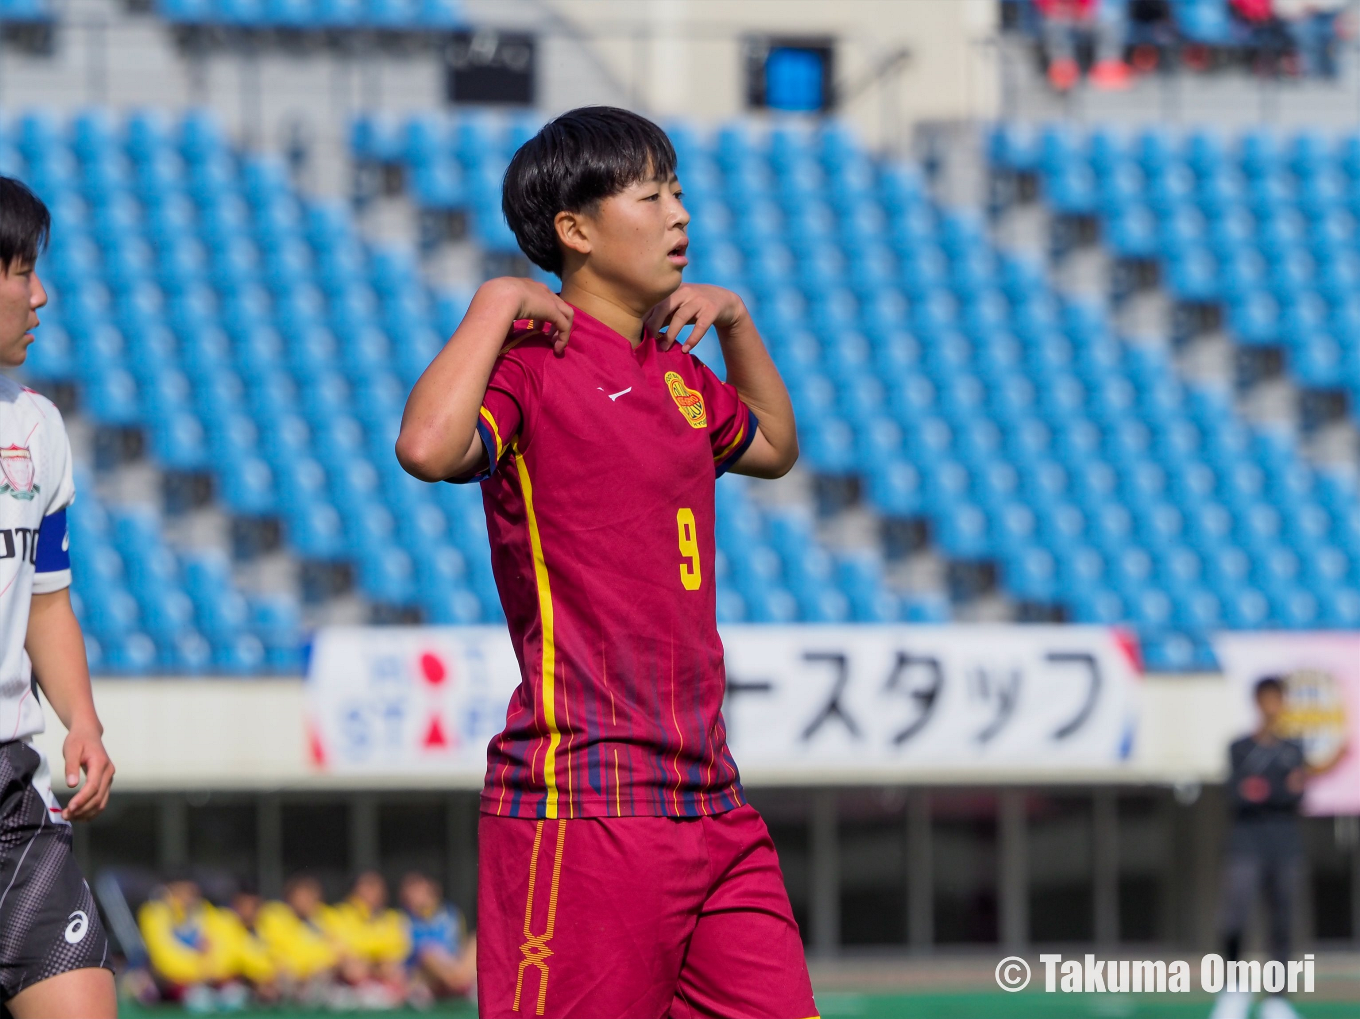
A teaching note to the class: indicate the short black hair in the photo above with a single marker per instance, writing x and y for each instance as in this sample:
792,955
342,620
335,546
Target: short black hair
575,161
25,223
1271,684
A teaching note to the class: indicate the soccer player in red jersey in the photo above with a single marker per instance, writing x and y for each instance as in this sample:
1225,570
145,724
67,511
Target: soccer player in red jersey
623,873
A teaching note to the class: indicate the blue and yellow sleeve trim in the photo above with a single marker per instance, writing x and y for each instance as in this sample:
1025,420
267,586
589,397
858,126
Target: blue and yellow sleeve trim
741,442
491,439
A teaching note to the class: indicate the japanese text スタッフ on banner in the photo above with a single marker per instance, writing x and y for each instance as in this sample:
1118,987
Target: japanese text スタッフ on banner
814,703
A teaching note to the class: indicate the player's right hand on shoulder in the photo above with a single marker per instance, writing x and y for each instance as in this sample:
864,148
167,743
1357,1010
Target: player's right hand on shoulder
530,299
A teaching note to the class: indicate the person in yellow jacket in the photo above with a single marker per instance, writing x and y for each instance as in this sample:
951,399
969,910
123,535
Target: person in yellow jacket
200,952
368,932
251,955
177,927
292,935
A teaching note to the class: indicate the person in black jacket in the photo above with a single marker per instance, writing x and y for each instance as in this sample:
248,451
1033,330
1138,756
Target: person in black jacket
1267,775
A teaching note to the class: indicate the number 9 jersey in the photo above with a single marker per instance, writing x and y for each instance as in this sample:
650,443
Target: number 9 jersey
599,499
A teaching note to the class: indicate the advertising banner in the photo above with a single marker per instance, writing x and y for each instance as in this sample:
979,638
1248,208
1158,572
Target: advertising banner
864,698
400,700
811,703
1321,673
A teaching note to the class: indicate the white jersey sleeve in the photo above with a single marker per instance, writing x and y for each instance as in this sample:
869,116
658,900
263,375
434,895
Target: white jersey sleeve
52,549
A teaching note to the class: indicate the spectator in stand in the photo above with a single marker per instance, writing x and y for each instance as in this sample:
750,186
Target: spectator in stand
1106,19
443,960
374,941
302,951
1265,33
192,948
1311,25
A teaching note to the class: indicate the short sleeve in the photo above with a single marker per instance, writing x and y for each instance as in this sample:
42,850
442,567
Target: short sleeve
52,554
51,545
731,425
501,417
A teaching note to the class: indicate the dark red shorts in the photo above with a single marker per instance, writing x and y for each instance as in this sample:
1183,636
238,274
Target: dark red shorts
636,918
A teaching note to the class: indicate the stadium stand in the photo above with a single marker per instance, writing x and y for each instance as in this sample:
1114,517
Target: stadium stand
940,376
254,338
144,609
953,381
25,11
1261,227
450,165
316,15
1295,40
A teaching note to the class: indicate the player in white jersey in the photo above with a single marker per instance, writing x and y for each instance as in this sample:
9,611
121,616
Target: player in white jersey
53,949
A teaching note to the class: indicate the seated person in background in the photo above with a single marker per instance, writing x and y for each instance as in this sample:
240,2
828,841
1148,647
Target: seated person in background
250,955
304,954
373,940
443,955
191,948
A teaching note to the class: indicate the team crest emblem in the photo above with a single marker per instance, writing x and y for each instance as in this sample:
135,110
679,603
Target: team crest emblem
17,464
691,404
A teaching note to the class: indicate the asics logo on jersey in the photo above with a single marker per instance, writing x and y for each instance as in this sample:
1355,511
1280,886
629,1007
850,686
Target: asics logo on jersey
75,930
691,404
16,463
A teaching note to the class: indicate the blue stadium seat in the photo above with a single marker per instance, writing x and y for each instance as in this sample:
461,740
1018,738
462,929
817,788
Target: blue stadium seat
187,654
167,613
1012,422
247,486
315,530
205,574
129,653
241,654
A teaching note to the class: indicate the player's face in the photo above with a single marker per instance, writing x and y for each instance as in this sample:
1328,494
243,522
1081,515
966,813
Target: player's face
21,295
638,240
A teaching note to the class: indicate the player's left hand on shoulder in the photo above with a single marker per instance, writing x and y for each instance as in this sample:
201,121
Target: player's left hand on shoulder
84,751
697,304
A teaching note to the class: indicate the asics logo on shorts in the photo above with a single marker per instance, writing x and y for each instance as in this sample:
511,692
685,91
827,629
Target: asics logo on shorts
75,930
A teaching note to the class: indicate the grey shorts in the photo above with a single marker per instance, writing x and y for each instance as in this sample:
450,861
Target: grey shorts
48,921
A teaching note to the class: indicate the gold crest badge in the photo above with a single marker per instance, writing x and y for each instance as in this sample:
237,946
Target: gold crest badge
691,404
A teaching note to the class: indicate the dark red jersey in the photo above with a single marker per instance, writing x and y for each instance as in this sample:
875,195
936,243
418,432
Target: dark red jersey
599,506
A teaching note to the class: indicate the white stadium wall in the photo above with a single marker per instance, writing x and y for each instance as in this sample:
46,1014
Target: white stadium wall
685,57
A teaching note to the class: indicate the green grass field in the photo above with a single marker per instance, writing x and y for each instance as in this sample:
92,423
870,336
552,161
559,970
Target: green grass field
843,1005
